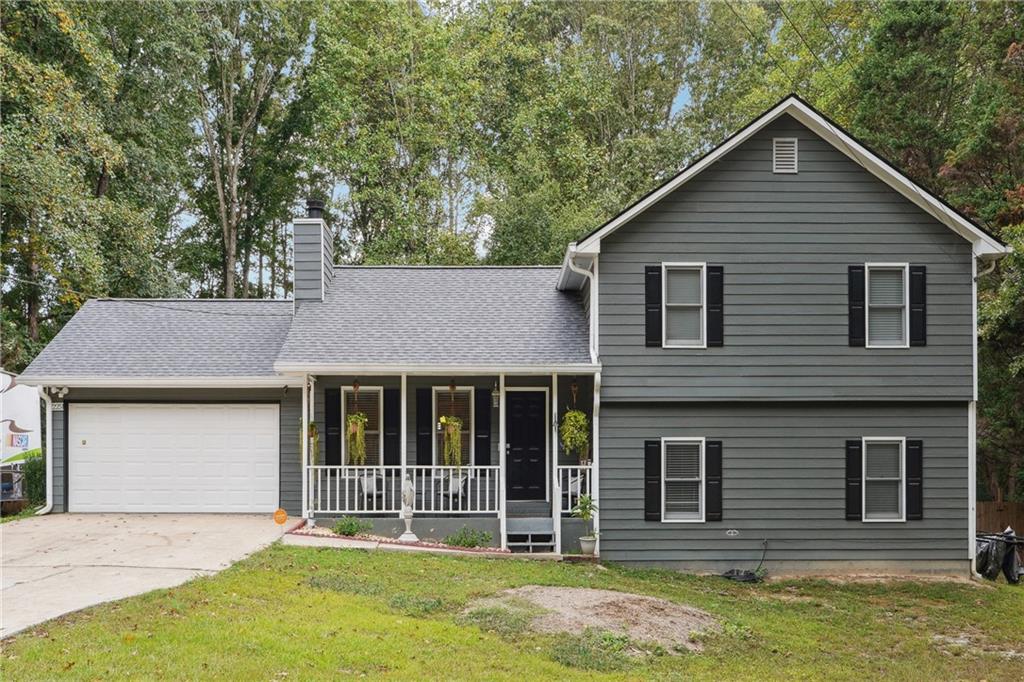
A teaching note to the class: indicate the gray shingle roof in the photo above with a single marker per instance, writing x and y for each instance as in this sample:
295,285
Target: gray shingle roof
123,338
457,316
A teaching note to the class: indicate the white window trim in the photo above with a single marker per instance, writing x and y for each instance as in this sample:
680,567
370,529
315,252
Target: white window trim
703,478
864,478
868,267
472,422
796,155
380,417
703,267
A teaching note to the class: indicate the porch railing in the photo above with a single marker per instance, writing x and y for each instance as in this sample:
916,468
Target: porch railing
573,481
378,489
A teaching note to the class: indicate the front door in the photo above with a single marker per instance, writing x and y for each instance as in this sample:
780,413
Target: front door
527,437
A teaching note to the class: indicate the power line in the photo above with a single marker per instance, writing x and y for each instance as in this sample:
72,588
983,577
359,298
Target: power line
768,47
803,40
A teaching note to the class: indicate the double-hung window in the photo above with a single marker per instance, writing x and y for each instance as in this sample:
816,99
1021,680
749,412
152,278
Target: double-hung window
684,301
884,489
454,403
370,401
682,488
887,305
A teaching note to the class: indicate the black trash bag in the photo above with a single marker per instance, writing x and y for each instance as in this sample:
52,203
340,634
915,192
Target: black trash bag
1011,562
989,556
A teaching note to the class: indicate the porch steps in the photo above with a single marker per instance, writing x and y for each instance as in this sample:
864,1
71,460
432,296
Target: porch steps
529,508
530,534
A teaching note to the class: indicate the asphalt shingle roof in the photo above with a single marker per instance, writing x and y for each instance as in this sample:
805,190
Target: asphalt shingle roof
456,316
129,338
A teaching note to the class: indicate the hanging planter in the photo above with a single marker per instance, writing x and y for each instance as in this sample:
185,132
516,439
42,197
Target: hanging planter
574,432
451,431
314,443
355,438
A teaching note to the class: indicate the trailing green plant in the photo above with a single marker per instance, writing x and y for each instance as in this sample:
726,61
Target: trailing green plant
350,525
575,434
468,537
585,510
34,470
451,430
355,438
314,443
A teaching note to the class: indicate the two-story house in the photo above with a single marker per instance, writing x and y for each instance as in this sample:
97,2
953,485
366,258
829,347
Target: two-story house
775,351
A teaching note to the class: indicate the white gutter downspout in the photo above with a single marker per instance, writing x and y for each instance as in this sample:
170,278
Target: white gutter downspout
49,452
593,313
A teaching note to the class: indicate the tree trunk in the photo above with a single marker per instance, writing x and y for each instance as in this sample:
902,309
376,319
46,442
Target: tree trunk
103,183
32,293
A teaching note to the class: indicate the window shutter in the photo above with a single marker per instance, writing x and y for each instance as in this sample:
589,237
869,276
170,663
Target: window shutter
424,427
652,305
856,304
332,426
713,480
482,423
652,480
392,427
854,472
918,306
715,300
915,475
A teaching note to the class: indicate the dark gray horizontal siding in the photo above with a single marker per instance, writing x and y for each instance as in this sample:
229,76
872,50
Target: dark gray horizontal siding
783,479
785,242
308,242
290,413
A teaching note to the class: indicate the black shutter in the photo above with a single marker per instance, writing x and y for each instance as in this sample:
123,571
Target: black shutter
855,279
918,306
652,480
424,427
482,426
915,475
854,471
716,296
332,424
392,427
713,480
652,305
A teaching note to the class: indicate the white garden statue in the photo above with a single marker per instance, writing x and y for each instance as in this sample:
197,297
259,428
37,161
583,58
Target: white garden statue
408,499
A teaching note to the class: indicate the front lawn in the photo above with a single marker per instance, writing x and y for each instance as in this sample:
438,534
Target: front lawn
301,613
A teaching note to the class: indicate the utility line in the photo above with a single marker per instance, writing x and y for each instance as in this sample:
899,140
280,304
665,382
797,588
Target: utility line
767,51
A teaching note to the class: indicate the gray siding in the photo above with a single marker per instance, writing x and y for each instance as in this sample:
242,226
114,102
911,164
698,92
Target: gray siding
784,480
309,240
785,242
291,411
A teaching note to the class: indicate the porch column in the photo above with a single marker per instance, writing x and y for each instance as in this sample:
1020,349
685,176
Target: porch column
501,461
595,461
403,445
556,485
304,439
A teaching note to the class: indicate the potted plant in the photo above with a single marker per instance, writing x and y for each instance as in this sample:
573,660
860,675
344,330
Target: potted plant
355,438
585,510
451,430
574,432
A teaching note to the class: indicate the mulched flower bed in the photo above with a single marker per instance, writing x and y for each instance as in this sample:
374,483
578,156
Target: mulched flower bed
320,531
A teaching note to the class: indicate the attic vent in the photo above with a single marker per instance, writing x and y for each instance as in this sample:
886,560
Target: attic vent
784,155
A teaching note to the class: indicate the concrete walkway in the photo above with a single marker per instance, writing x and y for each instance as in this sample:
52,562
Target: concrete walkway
55,564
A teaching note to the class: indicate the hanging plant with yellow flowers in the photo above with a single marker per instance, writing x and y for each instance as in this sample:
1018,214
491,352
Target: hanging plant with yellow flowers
355,438
451,432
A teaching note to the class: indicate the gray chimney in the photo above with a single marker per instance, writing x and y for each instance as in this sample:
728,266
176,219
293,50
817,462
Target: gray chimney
313,253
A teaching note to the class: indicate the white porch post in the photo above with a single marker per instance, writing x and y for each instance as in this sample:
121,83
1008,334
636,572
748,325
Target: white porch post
595,478
556,485
304,439
501,461
403,445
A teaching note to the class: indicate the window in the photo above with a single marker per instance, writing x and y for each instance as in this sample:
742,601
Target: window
684,297
784,155
886,305
457,403
884,464
370,401
682,489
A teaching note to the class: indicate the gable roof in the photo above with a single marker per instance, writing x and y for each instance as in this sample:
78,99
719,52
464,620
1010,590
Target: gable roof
985,244
413,318
166,342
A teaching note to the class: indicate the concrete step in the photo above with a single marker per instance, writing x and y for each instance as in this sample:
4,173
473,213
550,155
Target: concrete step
530,525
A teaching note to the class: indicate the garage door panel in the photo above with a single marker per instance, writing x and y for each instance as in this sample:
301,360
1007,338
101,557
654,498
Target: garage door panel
173,457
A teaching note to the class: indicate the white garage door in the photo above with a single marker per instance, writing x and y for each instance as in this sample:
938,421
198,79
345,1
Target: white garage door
143,457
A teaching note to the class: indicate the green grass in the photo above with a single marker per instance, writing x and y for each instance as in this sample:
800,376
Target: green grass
304,613
23,514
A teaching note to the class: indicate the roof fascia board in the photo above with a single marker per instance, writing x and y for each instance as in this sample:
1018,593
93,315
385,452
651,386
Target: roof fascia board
161,382
423,369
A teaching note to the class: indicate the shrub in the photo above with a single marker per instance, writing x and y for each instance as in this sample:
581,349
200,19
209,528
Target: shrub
350,525
34,470
468,537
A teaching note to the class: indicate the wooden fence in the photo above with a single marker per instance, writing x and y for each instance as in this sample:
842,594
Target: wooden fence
994,517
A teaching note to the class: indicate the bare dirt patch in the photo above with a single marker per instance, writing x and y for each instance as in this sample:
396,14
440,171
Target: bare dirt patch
675,627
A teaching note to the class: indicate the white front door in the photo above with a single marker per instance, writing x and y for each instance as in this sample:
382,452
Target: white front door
195,457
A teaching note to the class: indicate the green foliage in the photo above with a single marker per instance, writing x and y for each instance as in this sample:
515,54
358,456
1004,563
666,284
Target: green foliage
451,432
585,510
415,605
468,537
593,650
34,471
355,435
574,432
351,525
34,452
507,621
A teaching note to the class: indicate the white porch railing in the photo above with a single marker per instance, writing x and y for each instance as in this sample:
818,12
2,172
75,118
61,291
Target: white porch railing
573,481
378,489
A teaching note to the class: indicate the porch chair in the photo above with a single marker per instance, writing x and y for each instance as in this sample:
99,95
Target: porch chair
454,486
371,487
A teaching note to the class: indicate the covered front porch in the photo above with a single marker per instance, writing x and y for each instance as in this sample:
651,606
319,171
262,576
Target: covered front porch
505,471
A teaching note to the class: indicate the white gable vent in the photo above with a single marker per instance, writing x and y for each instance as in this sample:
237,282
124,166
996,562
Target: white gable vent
784,155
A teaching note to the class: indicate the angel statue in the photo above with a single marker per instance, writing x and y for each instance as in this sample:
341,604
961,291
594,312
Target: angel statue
408,500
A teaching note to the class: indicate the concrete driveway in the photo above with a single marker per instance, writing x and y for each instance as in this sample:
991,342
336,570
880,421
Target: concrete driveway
59,563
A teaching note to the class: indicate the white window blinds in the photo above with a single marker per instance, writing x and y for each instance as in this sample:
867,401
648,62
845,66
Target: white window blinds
683,462
684,305
887,312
